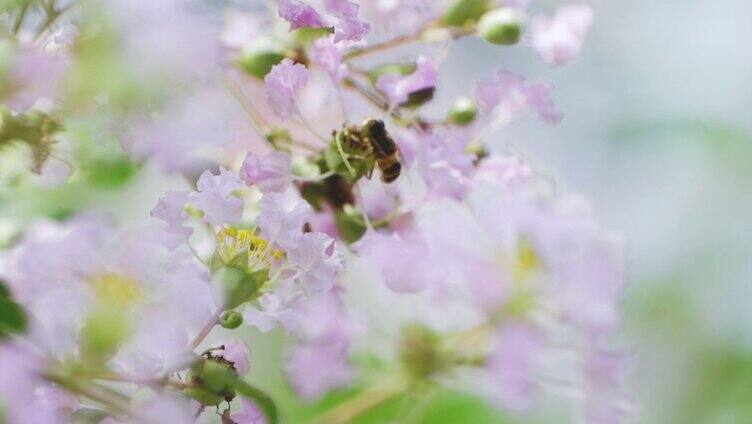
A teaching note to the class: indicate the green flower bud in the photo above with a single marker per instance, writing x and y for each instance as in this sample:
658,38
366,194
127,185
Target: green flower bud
231,320
350,224
308,35
239,284
501,26
463,112
102,335
260,63
465,12
212,381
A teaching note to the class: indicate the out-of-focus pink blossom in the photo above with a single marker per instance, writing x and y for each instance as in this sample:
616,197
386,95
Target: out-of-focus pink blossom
559,39
271,173
317,368
282,86
170,209
282,218
236,352
328,55
299,14
511,365
250,414
240,30
35,74
511,95
605,372
512,171
348,26
216,198
398,88
176,136
320,361
405,262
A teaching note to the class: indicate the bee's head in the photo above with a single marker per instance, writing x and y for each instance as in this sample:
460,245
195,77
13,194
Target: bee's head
373,124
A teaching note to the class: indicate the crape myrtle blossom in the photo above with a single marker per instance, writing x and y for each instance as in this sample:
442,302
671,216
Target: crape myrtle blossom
558,39
216,199
507,275
342,15
270,173
282,86
518,256
320,360
328,54
511,95
250,414
398,88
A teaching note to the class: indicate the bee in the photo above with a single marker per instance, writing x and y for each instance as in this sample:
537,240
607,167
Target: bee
385,151
369,145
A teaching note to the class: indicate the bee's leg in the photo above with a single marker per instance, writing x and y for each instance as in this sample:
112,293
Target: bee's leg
370,171
342,154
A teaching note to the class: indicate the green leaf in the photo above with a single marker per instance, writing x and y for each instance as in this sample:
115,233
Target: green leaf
12,317
457,407
239,285
266,403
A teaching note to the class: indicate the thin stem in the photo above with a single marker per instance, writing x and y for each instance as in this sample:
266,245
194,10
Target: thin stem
115,401
206,330
308,126
52,16
363,402
257,121
386,45
18,23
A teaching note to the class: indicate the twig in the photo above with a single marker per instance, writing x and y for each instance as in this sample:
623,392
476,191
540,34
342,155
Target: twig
206,330
363,402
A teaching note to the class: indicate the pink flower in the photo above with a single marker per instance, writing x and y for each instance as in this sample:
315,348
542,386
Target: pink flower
299,14
251,414
35,74
216,198
341,14
444,164
511,95
320,361
398,88
405,263
317,368
605,374
270,173
559,39
282,218
282,86
512,171
316,261
348,26
511,365
236,352
170,209
328,55
272,310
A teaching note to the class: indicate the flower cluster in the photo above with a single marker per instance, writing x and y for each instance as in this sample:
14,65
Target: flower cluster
362,201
